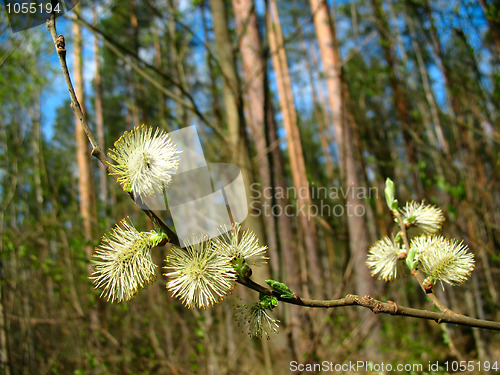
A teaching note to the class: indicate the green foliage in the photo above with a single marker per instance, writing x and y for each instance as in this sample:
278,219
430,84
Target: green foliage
457,191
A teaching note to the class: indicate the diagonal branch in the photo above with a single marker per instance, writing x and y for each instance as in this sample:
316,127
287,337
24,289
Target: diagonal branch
75,106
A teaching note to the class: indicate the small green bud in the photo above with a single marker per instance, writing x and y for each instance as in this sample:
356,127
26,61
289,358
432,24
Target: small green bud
268,302
411,219
398,238
158,238
411,262
281,288
241,267
389,194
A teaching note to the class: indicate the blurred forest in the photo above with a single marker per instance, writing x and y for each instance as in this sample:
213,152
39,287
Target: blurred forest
302,94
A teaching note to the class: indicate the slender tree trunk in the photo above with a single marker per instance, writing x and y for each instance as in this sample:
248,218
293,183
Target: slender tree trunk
269,162
294,144
85,179
158,59
429,95
138,84
255,69
36,142
233,104
231,91
176,60
99,120
4,349
318,109
210,64
358,232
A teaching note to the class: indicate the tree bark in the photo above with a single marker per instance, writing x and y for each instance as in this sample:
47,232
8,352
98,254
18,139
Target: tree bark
85,178
294,144
254,68
349,165
99,119
231,90
233,104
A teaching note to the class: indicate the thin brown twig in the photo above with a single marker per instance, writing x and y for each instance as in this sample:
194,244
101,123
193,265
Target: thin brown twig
75,106
376,306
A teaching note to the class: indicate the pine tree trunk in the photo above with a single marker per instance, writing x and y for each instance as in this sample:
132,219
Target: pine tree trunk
85,179
294,143
270,165
349,165
99,120
233,105
254,68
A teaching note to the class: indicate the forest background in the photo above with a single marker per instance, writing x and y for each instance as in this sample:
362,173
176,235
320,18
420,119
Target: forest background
299,94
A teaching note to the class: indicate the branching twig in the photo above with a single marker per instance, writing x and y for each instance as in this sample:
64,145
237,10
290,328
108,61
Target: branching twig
75,105
430,294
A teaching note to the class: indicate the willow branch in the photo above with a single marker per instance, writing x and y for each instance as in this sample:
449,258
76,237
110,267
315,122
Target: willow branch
349,300
77,109
75,105
376,306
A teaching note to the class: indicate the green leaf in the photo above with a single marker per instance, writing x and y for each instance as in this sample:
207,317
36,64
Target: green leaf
398,238
241,267
389,191
281,288
410,259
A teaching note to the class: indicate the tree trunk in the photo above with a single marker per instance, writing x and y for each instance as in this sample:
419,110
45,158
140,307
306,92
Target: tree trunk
4,349
231,90
270,164
176,63
85,179
255,92
233,105
99,120
319,110
297,163
358,232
